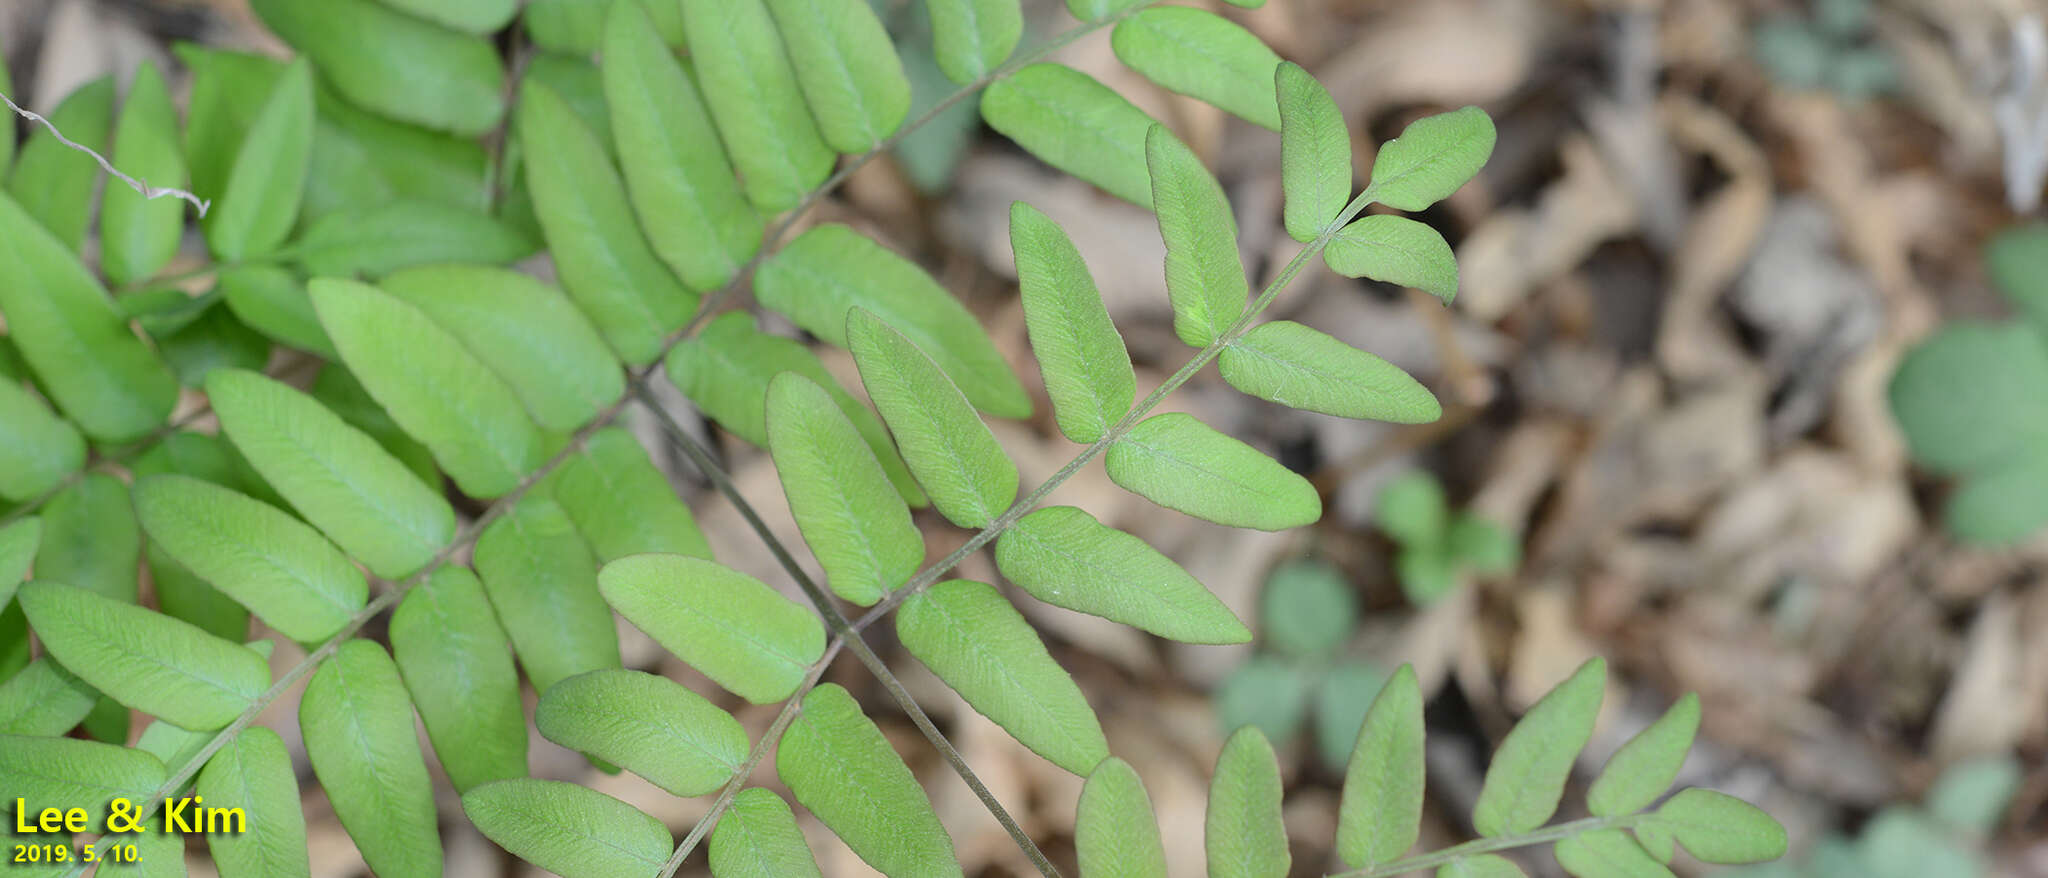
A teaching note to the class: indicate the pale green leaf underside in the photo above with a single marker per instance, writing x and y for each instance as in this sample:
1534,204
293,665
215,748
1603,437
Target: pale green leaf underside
956,459
43,699
849,513
138,235
1719,828
90,538
356,717
734,628
374,240
847,68
1204,275
1380,817
1076,124
1063,556
1202,55
144,659
18,544
1607,853
838,765
1081,355
37,448
1645,767
1303,368
1115,832
542,579
570,830
1432,158
1529,770
649,725
756,100
975,641
1244,834
621,503
458,666
971,38
415,71
268,177
1183,464
57,770
1315,153
1482,866
1395,250
254,773
758,838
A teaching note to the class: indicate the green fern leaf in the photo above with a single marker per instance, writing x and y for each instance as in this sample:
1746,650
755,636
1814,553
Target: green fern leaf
273,302
739,632
1075,124
981,646
457,664
726,370
837,764
1081,356
680,180
61,770
649,725
415,71
1432,158
268,177
971,38
357,721
138,235
254,773
146,660
90,538
572,831
526,332
758,838
82,352
270,562
1114,830
949,449
830,269
848,69
1717,828
842,501
1645,767
1063,556
37,448
1315,153
53,182
1482,866
1395,250
1299,367
1530,767
756,100
338,478
1607,853
1204,56
1244,834
621,503
1381,814
43,699
375,240
1181,463
603,261
1204,276
433,388
543,581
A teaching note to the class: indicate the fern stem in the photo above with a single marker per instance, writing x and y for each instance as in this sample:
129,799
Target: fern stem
845,634
1479,846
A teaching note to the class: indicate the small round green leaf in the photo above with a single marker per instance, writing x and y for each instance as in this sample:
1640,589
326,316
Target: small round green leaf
838,765
758,838
1607,853
739,632
1719,828
971,38
1645,767
1181,463
414,71
1307,608
1529,770
570,830
1395,250
1300,367
649,725
1243,834
1432,158
1202,55
1076,124
1115,832
1064,557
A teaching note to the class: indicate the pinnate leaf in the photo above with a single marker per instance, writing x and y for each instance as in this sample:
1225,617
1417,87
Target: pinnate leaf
1202,55
1181,463
1645,767
96,371
758,838
377,239
568,829
254,773
621,503
1300,367
649,725
414,71
1315,153
973,37
1081,356
37,448
1243,834
831,269
1380,817
849,514
732,627
268,561
1432,158
1061,555
543,581
1529,770
949,449
681,183
1719,828
1115,832
526,332
357,721
1076,124
1395,250
144,659
604,262
971,637
755,98
1204,275
1607,853
838,765
848,69
458,666
139,235
268,177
